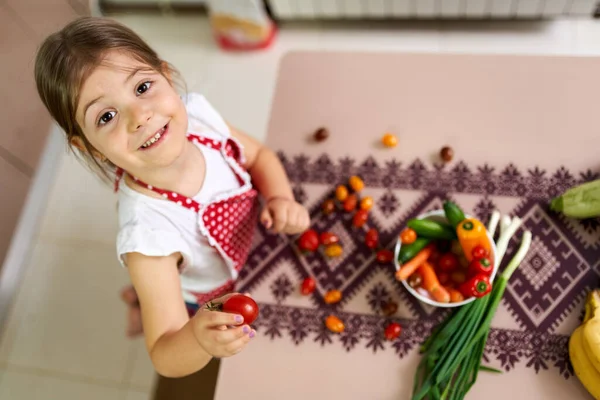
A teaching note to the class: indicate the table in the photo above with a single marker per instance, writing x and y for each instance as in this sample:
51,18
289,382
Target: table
523,131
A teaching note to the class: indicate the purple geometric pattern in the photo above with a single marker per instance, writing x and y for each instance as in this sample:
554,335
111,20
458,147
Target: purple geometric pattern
562,264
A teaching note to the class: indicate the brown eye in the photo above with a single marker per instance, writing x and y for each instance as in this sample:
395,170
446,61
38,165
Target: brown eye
144,87
106,118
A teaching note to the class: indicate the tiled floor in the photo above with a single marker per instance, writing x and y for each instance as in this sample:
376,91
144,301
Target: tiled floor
65,336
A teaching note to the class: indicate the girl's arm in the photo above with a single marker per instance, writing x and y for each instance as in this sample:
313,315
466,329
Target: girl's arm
282,212
178,345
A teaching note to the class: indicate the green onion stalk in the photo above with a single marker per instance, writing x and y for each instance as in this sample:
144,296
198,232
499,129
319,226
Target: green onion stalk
453,352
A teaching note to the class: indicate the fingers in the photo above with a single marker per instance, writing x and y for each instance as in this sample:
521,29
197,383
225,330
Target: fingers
265,218
287,217
238,345
214,319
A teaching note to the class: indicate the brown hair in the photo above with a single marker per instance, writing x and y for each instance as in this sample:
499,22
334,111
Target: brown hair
65,60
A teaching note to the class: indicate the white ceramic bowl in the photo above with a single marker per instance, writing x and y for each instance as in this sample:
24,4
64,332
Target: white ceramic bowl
421,294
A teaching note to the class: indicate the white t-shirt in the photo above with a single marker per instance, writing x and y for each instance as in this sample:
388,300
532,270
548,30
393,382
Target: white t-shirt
160,227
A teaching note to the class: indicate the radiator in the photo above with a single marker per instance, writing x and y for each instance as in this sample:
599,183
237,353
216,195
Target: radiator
438,9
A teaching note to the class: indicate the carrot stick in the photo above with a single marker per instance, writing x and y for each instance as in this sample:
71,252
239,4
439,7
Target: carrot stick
411,265
432,284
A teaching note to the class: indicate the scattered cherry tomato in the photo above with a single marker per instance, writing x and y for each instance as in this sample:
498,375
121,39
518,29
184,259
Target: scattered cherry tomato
341,193
392,331
333,296
481,266
350,202
443,277
328,207
458,277
356,183
384,256
389,140
448,262
408,236
446,154
415,280
479,252
321,134
372,238
366,203
334,324
328,238
360,218
243,305
308,286
389,308
333,250
309,241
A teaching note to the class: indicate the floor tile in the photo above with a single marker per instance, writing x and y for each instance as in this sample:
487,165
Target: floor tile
23,386
587,37
515,37
135,395
80,206
72,319
142,374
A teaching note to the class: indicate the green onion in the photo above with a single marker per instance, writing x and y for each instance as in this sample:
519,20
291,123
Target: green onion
452,353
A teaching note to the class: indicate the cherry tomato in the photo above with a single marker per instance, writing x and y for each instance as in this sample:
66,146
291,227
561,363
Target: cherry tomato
389,308
350,202
415,280
443,277
328,238
389,140
309,241
408,236
333,250
448,262
332,297
384,256
435,256
334,324
360,218
366,203
458,277
372,238
328,207
356,183
243,305
308,286
392,331
341,193
446,153
479,252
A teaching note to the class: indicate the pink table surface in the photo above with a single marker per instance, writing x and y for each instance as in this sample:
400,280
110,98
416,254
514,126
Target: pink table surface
523,130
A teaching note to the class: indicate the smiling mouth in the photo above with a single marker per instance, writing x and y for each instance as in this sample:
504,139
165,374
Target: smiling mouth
155,139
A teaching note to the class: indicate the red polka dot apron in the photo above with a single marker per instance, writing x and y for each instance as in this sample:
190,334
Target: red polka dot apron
228,222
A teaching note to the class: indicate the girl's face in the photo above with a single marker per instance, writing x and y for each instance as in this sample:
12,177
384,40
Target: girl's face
132,115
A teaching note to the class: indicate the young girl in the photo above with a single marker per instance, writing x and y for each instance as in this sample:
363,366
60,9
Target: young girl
185,179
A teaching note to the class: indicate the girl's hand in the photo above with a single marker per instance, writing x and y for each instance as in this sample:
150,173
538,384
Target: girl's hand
221,334
285,216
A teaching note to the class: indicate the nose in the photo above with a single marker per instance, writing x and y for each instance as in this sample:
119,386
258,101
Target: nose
139,115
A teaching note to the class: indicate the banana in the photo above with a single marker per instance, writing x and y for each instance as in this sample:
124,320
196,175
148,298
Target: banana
584,346
584,369
591,328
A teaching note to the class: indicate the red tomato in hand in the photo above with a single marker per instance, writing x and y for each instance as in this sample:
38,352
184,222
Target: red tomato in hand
448,262
309,241
372,238
242,305
360,218
392,331
308,286
479,252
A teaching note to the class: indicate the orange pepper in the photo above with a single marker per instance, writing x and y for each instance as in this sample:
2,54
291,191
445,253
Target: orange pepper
333,296
472,233
334,324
